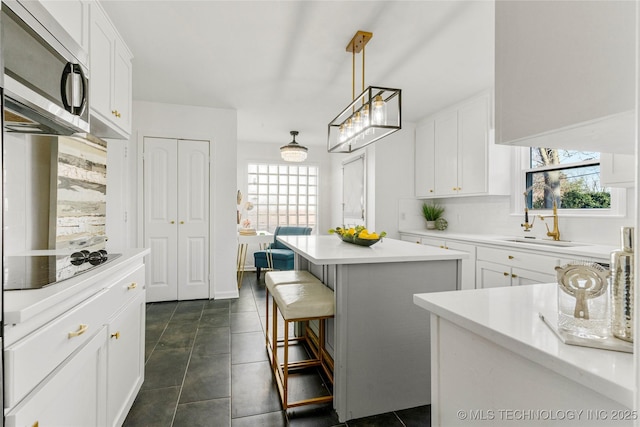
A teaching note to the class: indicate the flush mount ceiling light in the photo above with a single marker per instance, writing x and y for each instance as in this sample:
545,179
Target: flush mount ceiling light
293,152
372,115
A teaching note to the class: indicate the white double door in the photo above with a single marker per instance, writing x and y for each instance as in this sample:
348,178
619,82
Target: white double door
176,218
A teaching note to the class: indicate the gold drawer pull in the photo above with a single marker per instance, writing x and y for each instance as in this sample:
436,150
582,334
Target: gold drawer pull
116,335
430,191
505,274
132,286
81,330
514,275
510,256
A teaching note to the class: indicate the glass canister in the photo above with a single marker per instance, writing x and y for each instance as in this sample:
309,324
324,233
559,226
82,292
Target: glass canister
583,300
622,287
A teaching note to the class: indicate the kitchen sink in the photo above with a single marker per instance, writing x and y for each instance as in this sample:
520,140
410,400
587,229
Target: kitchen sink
545,242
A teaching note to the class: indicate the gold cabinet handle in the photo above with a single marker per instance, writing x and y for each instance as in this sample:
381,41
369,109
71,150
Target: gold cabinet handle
118,115
132,286
430,191
181,222
510,257
81,330
173,222
514,275
116,335
442,247
505,274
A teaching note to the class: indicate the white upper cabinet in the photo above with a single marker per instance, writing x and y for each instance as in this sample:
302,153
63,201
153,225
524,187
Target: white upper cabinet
111,76
424,159
617,170
565,74
73,15
455,154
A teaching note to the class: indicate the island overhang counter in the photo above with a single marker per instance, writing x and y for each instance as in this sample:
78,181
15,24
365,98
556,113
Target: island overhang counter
379,339
494,361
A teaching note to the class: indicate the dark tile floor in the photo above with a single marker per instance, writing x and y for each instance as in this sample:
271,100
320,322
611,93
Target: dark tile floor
206,365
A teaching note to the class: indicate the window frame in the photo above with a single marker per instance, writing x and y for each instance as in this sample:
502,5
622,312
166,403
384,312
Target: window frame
253,197
521,166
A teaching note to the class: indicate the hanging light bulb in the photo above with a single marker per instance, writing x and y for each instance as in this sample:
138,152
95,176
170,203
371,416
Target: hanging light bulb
366,120
379,111
343,133
349,126
357,122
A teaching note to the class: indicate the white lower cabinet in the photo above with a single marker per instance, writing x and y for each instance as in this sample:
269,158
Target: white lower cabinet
125,359
468,270
505,267
84,366
72,395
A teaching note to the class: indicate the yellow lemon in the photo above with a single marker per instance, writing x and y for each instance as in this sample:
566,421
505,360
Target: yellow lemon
351,231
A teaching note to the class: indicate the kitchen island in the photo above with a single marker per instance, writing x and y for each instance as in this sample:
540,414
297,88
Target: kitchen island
495,362
379,339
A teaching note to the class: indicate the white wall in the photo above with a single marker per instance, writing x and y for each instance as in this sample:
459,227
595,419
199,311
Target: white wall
218,126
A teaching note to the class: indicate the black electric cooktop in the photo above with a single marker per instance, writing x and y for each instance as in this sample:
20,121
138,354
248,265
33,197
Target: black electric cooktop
39,271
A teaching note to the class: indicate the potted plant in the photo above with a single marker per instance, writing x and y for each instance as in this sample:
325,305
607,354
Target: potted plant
431,212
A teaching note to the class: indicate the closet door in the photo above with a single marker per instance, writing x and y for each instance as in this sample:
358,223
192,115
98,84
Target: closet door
160,218
193,219
176,212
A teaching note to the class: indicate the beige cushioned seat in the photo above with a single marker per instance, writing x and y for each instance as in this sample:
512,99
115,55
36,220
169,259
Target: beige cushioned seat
277,278
304,300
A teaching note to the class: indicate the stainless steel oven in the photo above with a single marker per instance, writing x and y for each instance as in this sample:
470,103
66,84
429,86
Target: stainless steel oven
46,87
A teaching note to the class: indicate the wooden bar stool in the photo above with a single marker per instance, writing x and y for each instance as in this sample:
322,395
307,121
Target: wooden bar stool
276,278
300,302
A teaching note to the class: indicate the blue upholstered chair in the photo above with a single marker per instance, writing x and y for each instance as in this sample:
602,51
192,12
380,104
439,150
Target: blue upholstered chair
282,256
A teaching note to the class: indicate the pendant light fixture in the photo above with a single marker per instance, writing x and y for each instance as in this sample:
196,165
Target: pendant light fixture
293,152
372,115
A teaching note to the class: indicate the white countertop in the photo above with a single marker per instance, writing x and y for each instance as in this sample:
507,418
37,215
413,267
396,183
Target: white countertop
509,317
583,250
331,250
22,305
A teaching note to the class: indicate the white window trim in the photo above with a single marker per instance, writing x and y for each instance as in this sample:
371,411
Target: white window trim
521,165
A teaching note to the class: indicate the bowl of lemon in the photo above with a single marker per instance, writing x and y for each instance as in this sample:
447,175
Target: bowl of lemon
358,235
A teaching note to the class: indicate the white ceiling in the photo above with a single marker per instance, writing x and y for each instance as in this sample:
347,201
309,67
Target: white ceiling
283,65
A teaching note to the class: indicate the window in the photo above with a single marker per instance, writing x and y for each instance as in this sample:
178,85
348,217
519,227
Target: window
571,178
282,195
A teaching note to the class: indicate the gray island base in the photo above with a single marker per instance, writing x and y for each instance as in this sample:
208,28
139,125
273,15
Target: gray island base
380,340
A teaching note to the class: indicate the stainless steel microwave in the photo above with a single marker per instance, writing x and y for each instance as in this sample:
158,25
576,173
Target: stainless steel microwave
46,88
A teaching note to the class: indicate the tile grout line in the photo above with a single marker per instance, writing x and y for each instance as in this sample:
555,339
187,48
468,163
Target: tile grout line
175,410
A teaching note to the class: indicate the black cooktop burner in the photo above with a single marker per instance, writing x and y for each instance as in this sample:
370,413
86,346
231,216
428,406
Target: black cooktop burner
39,271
